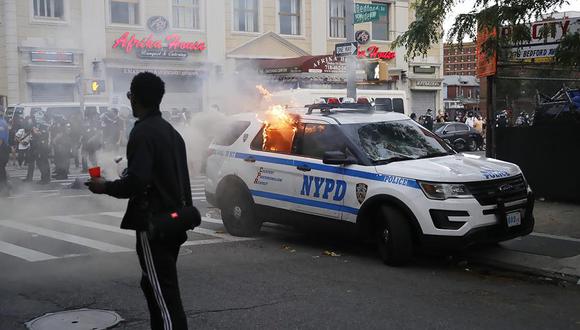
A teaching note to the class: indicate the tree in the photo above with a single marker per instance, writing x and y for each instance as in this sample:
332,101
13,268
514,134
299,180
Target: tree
488,15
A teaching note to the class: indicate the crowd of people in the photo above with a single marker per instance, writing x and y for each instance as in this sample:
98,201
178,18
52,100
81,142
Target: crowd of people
43,142
469,118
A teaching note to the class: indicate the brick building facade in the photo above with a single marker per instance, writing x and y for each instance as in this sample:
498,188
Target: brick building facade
459,62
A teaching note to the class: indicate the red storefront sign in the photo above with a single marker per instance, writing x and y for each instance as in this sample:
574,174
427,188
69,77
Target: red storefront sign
373,52
172,42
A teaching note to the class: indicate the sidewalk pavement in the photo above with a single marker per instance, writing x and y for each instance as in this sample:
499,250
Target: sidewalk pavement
552,250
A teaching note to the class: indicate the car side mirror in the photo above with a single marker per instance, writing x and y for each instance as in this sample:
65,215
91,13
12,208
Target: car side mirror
444,132
338,158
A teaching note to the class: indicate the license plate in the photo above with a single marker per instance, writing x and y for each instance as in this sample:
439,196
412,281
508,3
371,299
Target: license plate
514,219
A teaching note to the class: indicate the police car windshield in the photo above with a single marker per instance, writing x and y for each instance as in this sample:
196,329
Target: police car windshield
386,142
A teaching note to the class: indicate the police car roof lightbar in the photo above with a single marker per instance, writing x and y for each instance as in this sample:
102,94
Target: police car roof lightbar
326,108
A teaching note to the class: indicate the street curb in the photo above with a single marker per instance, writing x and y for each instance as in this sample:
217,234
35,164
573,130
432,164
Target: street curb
499,258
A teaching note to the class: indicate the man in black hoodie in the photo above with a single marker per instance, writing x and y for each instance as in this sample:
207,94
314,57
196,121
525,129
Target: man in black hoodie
156,181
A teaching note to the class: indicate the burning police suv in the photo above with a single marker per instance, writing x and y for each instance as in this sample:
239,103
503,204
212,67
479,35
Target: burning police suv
400,184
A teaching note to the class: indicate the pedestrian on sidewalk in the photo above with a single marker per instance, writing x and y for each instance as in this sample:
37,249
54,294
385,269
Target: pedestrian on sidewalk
156,181
4,155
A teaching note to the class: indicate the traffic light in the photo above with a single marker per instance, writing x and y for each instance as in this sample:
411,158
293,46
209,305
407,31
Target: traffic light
96,86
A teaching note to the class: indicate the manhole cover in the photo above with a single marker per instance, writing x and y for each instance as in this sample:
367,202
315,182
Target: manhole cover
185,251
81,319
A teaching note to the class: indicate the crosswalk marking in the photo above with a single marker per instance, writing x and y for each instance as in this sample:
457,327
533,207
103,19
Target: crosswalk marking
92,224
76,196
98,245
24,253
113,214
203,242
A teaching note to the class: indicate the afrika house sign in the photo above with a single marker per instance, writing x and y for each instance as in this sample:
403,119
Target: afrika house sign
373,52
171,43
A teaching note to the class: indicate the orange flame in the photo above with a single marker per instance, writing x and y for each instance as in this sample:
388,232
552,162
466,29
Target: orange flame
279,130
279,125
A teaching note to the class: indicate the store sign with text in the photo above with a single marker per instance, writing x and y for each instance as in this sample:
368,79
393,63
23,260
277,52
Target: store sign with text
545,39
428,83
170,46
161,54
325,64
51,56
375,53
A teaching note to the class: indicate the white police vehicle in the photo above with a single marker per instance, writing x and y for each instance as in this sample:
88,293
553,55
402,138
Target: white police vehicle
398,182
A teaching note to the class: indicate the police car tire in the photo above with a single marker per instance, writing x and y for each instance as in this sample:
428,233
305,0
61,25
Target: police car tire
397,248
246,224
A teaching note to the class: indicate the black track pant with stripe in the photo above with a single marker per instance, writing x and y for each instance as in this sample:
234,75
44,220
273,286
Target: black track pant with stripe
159,283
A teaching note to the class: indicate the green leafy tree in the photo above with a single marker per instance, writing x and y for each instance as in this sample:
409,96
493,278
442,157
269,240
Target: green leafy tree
487,15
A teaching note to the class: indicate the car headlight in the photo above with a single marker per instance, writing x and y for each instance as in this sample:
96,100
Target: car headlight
443,191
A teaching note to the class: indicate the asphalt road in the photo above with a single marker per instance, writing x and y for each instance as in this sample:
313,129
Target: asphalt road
61,249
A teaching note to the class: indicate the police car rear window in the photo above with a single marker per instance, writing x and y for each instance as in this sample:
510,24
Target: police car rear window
383,104
231,133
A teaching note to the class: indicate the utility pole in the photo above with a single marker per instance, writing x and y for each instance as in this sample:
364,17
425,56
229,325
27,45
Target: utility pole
350,60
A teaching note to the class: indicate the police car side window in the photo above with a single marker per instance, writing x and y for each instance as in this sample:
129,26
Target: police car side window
398,105
232,133
461,127
258,141
319,138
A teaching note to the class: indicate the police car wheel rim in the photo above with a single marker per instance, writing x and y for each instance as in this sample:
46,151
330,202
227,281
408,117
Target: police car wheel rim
237,212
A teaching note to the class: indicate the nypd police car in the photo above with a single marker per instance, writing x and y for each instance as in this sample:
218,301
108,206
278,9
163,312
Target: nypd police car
397,182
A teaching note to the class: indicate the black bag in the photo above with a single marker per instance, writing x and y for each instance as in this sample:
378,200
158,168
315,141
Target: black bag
174,224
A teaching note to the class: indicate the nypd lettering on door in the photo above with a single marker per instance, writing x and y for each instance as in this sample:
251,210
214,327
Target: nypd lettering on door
323,188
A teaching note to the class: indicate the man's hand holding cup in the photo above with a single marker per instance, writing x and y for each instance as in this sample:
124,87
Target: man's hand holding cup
97,183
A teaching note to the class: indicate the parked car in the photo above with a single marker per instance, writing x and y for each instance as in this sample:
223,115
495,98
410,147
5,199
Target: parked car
459,135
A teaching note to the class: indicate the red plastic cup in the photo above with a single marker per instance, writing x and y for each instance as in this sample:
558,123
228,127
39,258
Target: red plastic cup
95,172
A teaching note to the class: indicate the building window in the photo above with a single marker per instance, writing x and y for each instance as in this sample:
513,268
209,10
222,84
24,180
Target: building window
186,14
381,27
246,15
49,9
125,12
290,17
337,14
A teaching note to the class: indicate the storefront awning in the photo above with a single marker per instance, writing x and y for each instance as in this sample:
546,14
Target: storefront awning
303,64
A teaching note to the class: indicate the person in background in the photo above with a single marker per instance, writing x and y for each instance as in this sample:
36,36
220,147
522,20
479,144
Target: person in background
91,140
4,155
39,149
428,120
478,124
414,116
62,145
22,138
112,127
76,131
470,121
441,117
